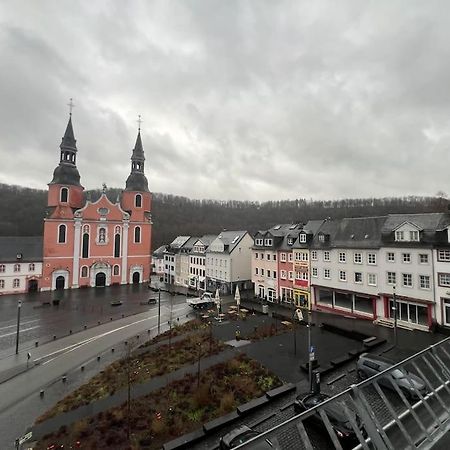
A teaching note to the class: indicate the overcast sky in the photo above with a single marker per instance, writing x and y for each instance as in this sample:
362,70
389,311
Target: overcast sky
248,100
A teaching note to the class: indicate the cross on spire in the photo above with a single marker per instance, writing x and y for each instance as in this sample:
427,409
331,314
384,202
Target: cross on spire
71,105
139,121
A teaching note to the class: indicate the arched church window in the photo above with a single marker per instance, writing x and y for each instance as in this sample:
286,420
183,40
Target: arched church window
117,230
117,245
85,244
138,201
64,195
62,234
116,270
137,235
84,272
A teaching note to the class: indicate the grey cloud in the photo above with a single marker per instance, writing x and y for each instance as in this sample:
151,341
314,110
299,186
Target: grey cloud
249,100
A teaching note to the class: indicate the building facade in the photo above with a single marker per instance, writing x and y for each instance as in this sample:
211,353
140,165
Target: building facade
95,243
20,264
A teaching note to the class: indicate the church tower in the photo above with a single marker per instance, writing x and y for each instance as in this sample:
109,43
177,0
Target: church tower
136,201
65,196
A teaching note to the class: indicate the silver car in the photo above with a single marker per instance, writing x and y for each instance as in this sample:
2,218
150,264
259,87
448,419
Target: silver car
409,383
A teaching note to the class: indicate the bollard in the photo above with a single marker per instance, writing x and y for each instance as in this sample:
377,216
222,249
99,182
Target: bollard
123,315
82,368
126,342
54,337
36,343
64,378
85,327
110,319
112,350
98,358
70,331
41,392
148,331
98,323
137,336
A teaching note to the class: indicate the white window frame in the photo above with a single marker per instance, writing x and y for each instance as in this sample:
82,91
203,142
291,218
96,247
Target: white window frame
372,259
302,238
388,257
443,255
327,274
406,258
357,258
268,242
259,242
291,275
444,276
425,282
283,257
399,236
414,236
342,257
283,274
389,276
314,255
425,257
407,276
342,275
314,272
372,279
360,278
326,255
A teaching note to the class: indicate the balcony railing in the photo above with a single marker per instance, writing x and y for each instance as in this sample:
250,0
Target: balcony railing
377,412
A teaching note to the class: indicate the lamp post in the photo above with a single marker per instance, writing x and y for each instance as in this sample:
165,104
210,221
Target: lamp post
198,367
19,306
310,352
395,309
159,306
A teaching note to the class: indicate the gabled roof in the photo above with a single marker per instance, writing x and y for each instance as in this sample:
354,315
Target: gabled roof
207,239
359,232
231,239
189,244
159,251
178,242
30,247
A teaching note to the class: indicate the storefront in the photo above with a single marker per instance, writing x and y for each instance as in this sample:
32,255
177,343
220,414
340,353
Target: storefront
345,302
302,298
410,312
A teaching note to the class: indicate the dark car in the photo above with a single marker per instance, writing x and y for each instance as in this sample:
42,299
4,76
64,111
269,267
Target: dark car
335,412
409,383
241,435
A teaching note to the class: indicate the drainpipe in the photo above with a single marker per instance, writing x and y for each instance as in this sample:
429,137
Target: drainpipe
434,286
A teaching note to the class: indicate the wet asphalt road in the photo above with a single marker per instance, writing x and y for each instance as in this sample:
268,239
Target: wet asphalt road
40,321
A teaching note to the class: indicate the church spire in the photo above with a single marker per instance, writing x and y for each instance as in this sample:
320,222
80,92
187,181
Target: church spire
67,172
137,181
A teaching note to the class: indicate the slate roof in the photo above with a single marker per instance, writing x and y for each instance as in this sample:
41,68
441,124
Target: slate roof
231,239
189,244
355,232
29,246
159,251
426,222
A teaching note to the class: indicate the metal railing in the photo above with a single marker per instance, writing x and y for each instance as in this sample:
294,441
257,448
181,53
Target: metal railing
378,412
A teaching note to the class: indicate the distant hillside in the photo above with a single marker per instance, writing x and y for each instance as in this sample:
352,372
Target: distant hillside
22,211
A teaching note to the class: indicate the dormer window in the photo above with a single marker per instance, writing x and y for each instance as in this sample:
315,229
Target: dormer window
302,238
64,195
259,242
399,235
268,242
321,238
414,236
290,241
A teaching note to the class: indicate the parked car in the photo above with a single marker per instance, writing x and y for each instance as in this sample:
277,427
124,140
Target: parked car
335,412
369,365
204,301
241,435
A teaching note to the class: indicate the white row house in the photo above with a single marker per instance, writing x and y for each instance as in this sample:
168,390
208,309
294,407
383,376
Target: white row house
228,262
197,262
20,264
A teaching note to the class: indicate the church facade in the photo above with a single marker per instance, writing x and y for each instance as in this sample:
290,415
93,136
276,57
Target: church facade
97,243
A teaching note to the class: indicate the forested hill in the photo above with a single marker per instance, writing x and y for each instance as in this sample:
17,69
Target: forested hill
22,211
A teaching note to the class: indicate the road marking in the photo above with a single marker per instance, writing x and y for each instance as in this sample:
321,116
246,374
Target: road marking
21,323
14,332
73,347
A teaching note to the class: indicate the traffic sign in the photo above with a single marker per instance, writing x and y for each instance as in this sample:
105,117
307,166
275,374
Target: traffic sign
312,349
311,356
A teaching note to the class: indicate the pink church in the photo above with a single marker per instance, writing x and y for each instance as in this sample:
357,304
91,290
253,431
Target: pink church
96,243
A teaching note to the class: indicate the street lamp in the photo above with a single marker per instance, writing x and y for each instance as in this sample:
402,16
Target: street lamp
395,309
19,306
